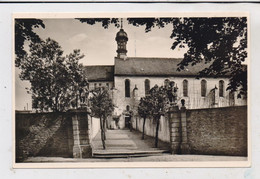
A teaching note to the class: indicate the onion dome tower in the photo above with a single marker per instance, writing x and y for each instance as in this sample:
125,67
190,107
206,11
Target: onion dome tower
121,39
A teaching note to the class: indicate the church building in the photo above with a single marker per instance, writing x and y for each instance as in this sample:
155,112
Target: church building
131,78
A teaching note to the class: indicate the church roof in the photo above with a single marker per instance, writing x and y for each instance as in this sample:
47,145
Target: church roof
100,73
137,66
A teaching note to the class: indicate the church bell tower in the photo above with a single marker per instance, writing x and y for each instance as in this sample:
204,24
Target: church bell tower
121,39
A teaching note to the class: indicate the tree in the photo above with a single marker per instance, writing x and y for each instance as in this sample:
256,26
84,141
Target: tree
55,79
104,21
144,110
101,106
219,42
24,32
157,103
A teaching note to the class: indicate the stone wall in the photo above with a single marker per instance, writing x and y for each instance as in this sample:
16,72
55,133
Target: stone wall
54,134
211,131
218,131
42,134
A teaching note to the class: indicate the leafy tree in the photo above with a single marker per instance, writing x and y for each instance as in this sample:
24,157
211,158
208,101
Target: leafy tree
157,103
144,110
101,106
24,32
55,79
104,21
219,42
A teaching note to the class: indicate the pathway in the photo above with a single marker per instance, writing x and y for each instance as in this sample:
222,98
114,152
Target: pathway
123,143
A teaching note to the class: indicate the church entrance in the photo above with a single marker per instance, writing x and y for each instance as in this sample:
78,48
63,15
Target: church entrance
127,122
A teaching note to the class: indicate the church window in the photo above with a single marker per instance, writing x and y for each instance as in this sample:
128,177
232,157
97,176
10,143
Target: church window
147,86
127,108
203,88
185,88
127,88
221,88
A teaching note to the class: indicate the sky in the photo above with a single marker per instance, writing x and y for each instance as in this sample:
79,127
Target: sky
99,46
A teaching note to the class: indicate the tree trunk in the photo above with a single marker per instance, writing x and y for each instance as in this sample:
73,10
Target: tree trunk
143,127
102,133
157,131
104,127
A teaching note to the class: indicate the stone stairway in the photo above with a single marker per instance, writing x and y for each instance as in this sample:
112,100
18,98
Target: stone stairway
125,144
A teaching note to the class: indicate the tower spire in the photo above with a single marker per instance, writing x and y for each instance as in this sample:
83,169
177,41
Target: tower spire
121,39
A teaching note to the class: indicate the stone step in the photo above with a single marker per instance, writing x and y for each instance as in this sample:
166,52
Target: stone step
127,154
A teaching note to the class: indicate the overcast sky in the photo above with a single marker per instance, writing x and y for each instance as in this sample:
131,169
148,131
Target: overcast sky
99,45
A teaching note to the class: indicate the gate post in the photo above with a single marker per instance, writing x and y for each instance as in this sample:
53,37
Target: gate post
184,137
175,137
81,134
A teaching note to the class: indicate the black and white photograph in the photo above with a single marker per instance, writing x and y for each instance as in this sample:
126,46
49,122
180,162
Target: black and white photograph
131,90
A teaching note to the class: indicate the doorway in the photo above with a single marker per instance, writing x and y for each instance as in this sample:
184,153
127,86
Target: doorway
127,122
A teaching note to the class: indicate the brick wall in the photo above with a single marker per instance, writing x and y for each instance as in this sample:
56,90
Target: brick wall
218,131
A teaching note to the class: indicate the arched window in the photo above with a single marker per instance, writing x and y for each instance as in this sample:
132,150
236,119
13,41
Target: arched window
166,82
185,88
147,86
203,88
127,88
127,108
221,88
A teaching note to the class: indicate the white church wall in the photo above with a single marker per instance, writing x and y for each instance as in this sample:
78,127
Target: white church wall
95,127
194,100
150,127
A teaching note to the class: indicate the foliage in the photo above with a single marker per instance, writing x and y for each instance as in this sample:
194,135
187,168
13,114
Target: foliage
55,79
157,104
219,42
144,110
24,32
143,107
101,103
104,21
101,107
158,101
